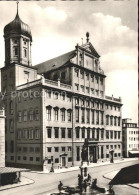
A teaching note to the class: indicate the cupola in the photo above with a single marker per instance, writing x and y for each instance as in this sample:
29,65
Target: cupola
18,40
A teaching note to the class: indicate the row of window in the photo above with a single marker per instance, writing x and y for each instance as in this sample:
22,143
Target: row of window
16,52
30,149
115,155
88,104
65,133
37,159
83,133
57,160
88,77
129,125
113,134
28,115
113,147
113,120
85,60
28,134
134,138
59,114
93,104
112,107
133,132
87,116
89,133
58,95
93,91
58,149
133,145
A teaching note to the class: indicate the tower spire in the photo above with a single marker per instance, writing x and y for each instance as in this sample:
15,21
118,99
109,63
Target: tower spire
17,2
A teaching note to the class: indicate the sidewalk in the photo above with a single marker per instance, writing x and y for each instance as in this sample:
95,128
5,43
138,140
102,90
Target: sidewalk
24,181
76,168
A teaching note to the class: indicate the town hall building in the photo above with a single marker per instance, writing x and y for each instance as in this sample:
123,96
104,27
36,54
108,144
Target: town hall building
52,108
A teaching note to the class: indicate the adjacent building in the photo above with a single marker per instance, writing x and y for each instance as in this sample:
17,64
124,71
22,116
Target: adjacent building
130,138
53,107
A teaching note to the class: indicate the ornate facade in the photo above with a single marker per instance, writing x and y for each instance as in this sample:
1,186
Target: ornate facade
53,107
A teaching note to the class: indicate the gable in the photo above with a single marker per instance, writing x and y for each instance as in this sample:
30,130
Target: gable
90,48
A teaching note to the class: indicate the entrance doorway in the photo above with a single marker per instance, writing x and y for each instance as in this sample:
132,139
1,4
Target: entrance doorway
63,161
93,154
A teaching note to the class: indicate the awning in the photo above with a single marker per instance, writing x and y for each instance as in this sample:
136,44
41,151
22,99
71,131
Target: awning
4,170
134,152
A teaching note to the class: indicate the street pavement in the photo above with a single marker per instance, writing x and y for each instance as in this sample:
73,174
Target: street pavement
45,184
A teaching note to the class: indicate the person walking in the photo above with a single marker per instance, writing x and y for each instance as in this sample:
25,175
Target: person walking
60,186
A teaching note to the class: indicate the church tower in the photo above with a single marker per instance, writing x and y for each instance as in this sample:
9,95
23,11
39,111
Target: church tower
18,68
18,40
17,71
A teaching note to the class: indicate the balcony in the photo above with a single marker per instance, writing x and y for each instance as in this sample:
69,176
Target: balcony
113,99
45,82
51,82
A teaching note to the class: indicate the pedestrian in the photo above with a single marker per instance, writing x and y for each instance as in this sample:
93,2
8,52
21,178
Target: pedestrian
85,185
60,186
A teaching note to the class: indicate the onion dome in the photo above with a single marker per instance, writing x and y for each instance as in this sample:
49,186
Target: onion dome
17,27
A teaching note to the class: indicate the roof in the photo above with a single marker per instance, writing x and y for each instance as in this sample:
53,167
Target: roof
59,61
55,62
134,152
18,26
4,170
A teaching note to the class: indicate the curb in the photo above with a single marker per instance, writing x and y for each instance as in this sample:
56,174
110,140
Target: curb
9,187
97,165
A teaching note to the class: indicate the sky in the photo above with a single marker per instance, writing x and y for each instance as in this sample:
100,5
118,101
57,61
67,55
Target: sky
57,26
